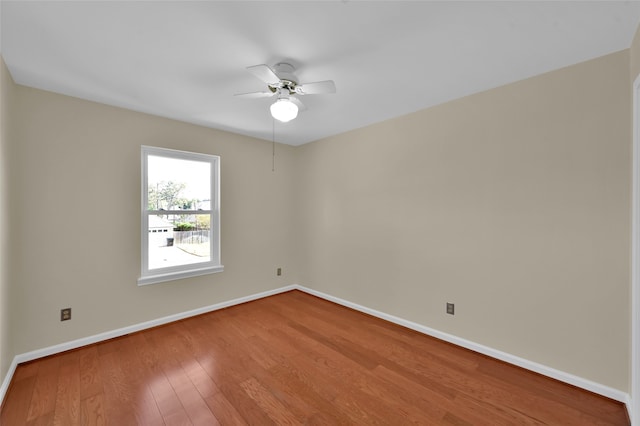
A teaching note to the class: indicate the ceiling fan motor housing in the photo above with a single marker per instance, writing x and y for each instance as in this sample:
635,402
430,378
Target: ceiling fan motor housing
288,80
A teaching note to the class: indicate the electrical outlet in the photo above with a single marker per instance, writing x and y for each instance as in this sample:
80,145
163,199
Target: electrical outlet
65,314
279,272
451,309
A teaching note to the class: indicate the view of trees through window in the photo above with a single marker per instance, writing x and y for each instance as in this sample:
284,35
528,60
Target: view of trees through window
179,206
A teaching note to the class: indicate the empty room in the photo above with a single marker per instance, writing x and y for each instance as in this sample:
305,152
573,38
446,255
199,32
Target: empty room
319,212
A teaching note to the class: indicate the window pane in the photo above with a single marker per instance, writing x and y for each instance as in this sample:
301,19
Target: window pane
176,240
177,184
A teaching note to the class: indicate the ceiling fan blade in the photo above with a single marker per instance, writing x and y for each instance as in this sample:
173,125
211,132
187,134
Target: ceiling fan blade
264,73
316,88
299,104
254,95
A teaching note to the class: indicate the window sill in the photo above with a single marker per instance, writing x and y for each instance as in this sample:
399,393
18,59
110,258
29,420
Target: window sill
159,278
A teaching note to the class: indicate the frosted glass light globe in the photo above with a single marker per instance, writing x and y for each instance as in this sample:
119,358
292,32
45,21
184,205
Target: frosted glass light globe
284,110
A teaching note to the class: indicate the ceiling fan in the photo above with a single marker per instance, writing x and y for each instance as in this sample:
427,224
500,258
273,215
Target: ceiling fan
283,84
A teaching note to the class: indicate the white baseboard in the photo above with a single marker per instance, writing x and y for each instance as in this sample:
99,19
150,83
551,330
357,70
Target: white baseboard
503,356
485,350
7,380
74,344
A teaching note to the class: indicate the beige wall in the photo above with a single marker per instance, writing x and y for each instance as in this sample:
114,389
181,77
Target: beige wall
76,214
6,91
634,55
514,204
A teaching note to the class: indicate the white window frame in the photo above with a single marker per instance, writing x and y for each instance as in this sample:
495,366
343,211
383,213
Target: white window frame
214,265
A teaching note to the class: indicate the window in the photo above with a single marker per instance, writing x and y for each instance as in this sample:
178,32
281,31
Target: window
180,215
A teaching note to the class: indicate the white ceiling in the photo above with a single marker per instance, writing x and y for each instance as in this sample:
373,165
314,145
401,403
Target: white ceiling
186,60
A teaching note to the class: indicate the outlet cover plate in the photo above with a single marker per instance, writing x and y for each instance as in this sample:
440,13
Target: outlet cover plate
65,314
451,309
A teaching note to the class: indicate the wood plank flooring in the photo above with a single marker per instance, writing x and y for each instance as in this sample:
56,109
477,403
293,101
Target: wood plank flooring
290,359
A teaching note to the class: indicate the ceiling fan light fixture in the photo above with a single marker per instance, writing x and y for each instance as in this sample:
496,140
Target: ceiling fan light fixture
284,110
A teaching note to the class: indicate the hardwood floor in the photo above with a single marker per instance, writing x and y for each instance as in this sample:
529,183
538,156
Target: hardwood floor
290,359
